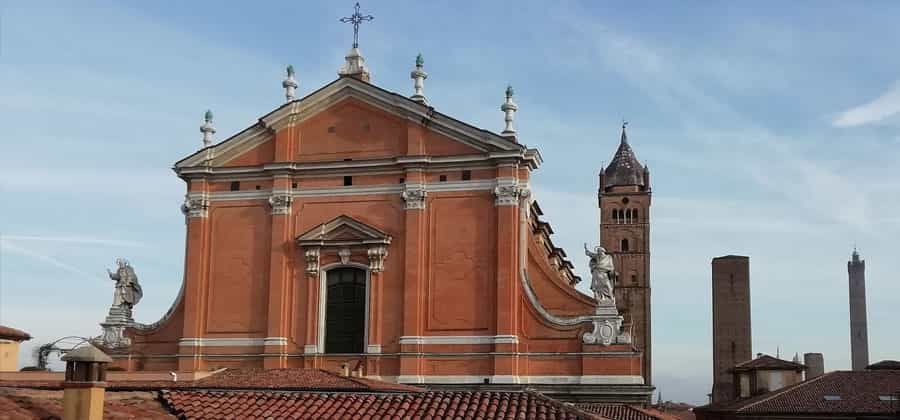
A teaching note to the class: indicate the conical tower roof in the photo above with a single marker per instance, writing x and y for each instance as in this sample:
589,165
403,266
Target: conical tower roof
625,169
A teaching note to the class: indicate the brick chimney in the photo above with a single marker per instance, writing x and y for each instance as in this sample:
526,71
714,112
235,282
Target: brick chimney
85,384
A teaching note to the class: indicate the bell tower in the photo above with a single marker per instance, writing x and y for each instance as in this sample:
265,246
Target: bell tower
624,201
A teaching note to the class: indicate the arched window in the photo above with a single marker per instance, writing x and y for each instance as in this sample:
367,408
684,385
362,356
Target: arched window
615,215
624,245
345,310
634,215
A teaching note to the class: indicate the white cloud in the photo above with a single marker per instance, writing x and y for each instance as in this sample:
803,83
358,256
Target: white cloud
880,108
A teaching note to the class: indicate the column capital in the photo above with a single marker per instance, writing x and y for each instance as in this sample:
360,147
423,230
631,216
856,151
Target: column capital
414,195
312,261
195,205
281,203
377,254
509,195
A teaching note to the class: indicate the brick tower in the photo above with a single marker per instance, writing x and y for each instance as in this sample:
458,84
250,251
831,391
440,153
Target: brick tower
732,340
624,200
859,336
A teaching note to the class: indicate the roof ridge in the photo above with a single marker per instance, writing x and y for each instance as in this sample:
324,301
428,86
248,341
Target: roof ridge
780,392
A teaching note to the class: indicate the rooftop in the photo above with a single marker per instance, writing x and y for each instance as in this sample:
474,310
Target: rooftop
766,362
8,333
841,392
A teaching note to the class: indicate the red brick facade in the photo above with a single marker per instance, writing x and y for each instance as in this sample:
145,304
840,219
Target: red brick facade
436,213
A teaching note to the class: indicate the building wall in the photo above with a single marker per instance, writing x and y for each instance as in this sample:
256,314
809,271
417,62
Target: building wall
449,304
732,340
633,289
9,356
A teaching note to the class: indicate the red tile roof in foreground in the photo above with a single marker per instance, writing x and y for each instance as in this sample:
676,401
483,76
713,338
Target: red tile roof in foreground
197,404
862,392
624,412
7,333
26,404
298,379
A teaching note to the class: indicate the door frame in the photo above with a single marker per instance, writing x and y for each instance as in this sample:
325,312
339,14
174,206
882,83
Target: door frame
323,303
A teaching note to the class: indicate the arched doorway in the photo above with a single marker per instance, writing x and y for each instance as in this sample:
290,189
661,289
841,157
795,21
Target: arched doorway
345,310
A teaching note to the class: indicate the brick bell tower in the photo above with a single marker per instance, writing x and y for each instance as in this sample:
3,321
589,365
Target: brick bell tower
624,200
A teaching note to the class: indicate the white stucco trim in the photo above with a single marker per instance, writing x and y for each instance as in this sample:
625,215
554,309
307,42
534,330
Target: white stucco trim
460,339
373,349
513,379
232,342
310,349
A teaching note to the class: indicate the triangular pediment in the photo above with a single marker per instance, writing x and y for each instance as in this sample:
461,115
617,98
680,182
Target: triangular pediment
299,110
343,231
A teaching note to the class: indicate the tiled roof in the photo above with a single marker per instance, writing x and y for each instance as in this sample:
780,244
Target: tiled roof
7,333
841,392
295,379
885,364
623,412
24,404
424,405
766,362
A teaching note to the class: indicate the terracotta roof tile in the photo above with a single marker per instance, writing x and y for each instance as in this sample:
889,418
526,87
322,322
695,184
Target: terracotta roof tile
623,411
8,333
848,392
200,404
17,403
766,362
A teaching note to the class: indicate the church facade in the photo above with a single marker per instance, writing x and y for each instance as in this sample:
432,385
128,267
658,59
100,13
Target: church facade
360,226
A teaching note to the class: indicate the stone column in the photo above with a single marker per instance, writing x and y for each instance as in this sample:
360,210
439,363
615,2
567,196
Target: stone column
196,212
416,246
282,247
85,384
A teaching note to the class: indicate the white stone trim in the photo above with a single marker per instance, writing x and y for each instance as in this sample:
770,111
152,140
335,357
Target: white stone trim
311,349
513,379
373,348
459,339
232,342
477,185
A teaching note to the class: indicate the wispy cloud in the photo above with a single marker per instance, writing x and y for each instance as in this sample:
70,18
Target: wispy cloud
6,245
885,106
73,239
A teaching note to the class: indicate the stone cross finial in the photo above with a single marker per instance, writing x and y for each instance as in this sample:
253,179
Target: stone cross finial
419,76
207,128
509,108
289,84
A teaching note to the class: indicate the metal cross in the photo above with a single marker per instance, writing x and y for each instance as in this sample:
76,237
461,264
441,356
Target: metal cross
356,18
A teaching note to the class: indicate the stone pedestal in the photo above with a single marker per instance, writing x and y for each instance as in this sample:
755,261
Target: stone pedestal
607,327
113,336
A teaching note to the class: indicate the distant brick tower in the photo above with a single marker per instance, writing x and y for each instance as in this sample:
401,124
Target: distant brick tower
859,336
624,200
732,339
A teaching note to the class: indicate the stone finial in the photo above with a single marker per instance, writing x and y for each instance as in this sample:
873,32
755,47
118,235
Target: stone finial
289,84
207,128
509,108
355,66
418,75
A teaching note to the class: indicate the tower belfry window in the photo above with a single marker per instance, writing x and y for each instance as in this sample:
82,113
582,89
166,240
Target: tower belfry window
624,245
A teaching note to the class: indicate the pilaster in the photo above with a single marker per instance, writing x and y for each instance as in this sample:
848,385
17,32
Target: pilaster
196,212
281,249
414,272
508,194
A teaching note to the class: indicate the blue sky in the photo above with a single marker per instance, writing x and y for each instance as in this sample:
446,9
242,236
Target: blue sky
770,130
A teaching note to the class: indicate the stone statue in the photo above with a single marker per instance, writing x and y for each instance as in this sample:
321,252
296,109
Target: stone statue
128,291
603,275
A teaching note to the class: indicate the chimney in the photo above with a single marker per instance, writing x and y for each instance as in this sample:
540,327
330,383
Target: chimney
85,384
815,365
